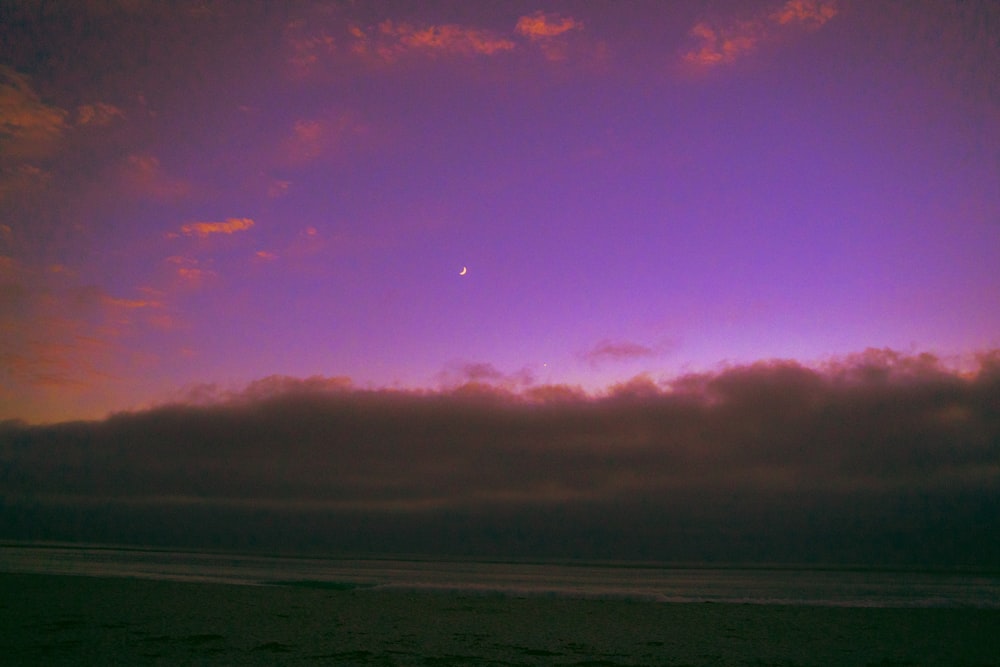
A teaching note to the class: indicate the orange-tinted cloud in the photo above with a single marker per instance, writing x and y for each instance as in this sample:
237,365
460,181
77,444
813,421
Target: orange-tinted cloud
542,26
29,128
228,226
722,43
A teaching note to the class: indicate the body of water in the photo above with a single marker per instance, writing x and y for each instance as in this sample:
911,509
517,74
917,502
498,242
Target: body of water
837,587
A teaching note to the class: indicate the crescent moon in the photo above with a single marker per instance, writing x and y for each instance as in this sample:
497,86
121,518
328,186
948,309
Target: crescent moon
464,270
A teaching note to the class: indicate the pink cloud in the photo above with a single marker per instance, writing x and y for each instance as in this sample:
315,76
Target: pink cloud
228,226
542,26
720,43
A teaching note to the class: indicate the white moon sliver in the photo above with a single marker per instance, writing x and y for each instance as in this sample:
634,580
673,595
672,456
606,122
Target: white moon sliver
464,270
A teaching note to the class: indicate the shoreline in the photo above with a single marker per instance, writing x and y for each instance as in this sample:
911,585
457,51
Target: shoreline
777,566
67,619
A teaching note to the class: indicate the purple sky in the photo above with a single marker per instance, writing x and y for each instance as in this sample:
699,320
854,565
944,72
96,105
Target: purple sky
197,195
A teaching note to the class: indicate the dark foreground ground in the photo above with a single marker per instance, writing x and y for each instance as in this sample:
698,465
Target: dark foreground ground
61,620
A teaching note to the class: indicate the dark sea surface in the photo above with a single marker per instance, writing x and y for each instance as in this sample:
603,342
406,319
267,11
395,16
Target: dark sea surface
784,585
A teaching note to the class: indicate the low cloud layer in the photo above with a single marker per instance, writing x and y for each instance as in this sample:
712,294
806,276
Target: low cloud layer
880,458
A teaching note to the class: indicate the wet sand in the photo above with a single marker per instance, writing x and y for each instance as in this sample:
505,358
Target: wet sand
65,620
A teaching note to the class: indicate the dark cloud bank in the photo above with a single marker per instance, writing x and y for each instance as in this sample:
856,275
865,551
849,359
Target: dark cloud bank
881,459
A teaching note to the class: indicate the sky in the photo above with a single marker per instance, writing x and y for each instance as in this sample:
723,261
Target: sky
547,206
211,193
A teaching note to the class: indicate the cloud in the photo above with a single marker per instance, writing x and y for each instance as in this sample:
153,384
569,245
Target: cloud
22,180
188,270
29,128
396,38
609,350
278,188
329,42
548,32
143,176
227,226
810,12
195,276
131,303
543,26
51,364
311,139
477,372
721,43
59,333
98,115
883,457
472,376
307,48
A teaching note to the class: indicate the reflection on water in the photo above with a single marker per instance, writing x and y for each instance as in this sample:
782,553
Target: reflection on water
793,586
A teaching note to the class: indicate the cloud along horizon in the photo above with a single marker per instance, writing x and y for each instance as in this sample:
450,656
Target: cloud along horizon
881,459
647,280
